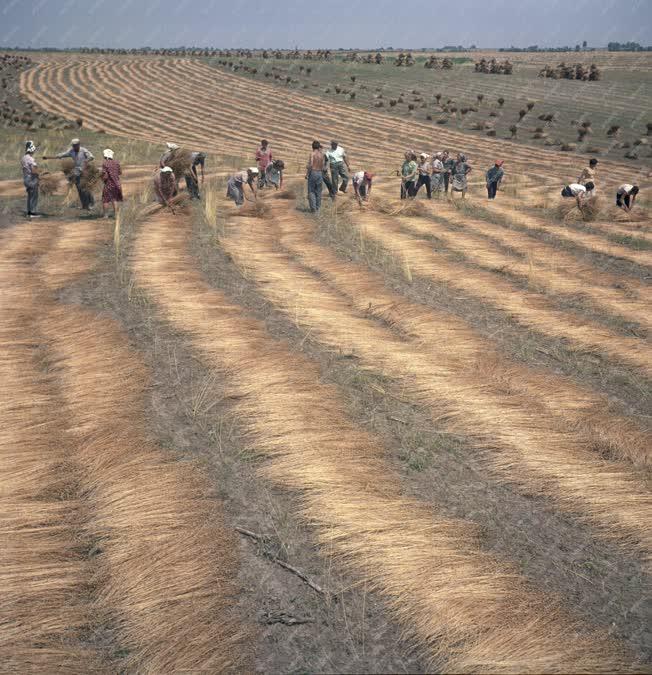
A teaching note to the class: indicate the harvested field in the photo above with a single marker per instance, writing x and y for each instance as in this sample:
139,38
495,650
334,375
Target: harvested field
395,436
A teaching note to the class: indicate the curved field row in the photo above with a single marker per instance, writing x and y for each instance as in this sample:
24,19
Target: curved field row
478,250
466,351
235,98
526,308
163,579
591,242
464,612
544,254
524,444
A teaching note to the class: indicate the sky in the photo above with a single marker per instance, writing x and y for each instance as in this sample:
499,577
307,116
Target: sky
363,24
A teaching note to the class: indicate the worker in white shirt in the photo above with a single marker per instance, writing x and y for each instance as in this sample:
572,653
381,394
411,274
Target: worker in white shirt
626,196
339,167
580,192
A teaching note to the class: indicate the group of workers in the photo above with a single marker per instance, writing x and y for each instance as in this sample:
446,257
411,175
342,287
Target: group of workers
331,168
440,171
585,189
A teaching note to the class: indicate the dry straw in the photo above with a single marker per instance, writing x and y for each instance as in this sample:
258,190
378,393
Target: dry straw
451,597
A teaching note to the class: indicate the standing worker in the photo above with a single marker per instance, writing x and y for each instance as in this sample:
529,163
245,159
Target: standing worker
449,165
197,159
494,175
588,174
80,156
408,175
235,185
112,192
339,166
423,175
461,170
263,160
315,176
30,179
437,173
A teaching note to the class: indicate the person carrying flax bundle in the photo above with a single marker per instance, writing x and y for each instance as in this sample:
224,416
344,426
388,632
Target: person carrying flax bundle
361,182
112,192
423,175
235,185
165,186
408,175
339,167
80,157
167,155
626,196
263,160
581,193
437,173
315,169
460,172
30,179
494,175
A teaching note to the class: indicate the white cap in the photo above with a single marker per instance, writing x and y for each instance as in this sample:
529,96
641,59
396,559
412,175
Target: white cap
166,169
108,154
75,141
253,169
172,146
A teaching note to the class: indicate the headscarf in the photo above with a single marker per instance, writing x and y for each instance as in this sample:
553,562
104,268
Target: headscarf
166,169
172,146
30,147
368,176
253,170
500,162
108,154
75,141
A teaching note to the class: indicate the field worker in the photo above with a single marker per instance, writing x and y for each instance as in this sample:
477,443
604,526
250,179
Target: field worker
235,184
423,175
315,170
165,186
408,175
112,192
192,176
449,165
580,192
494,175
339,166
437,173
263,160
169,151
80,156
588,173
362,185
274,173
30,179
461,170
626,196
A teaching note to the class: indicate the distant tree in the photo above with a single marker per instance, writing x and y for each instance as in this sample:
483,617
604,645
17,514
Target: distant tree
584,44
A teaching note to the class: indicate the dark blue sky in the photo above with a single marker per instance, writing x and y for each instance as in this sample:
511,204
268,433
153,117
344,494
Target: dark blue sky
328,23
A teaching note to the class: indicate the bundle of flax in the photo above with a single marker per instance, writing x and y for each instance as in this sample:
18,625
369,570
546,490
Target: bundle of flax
180,161
48,184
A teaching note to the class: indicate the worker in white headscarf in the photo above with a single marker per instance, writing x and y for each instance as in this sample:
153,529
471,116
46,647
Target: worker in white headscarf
30,179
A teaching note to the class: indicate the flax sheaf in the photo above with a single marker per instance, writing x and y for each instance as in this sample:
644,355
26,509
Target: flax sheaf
524,443
526,308
451,340
165,575
466,609
44,608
